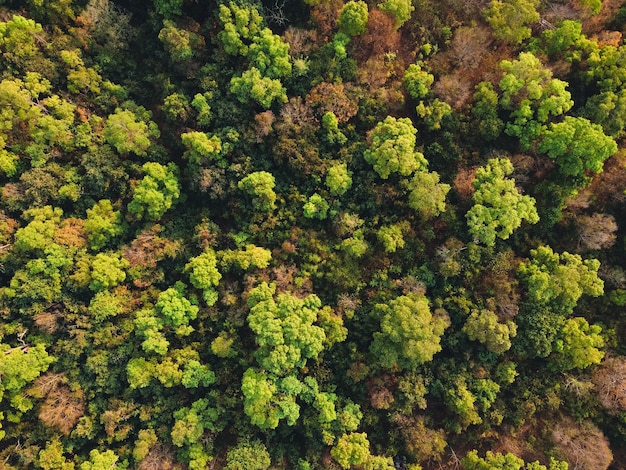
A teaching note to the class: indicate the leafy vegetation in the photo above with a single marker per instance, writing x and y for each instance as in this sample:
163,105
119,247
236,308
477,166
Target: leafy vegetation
306,234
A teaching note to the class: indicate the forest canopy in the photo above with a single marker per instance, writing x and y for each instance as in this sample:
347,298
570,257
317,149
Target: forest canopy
312,234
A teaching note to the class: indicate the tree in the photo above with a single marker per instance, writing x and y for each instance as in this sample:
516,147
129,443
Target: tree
338,179
106,460
597,231
558,281
128,134
248,455
107,271
253,86
204,275
103,224
251,256
610,383
316,207
351,449
409,333
392,148
18,367
532,96
577,345
201,147
509,19
156,192
485,111
427,195
400,10
577,146
270,55
391,236
417,81
492,461
483,326
498,206
260,185
284,327
241,23
353,18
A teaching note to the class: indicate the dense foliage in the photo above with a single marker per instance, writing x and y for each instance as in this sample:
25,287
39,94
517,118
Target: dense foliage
306,234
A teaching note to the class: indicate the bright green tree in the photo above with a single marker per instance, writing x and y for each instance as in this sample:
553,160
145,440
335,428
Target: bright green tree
248,455
285,329
316,207
483,326
557,280
392,148
351,449
156,192
427,195
18,367
510,19
532,96
107,271
409,333
498,207
260,185
204,275
577,345
270,55
353,18
127,133
417,81
577,146
241,25
400,10
200,147
251,256
251,85
103,224
338,179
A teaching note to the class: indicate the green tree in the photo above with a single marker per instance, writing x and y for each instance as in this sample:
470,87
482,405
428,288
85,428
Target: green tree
204,275
107,271
427,195
270,55
175,309
392,148
483,326
127,133
241,23
498,206
532,96
417,81
391,236
485,112
338,179
156,192
577,345
251,256
353,18
400,10
103,224
251,85
284,327
260,185
577,146
409,333
200,147
558,281
510,19
351,449
316,207
18,367
106,460
248,455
